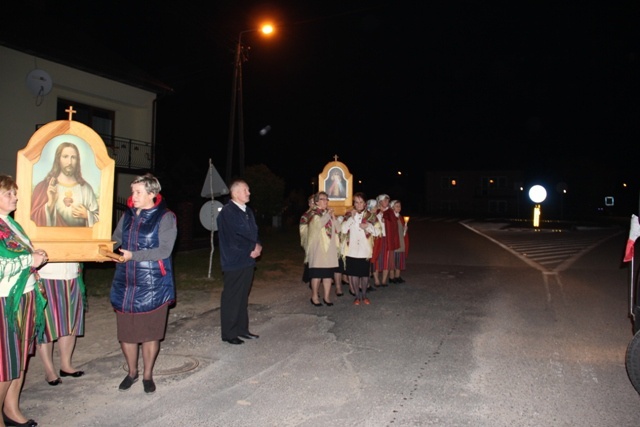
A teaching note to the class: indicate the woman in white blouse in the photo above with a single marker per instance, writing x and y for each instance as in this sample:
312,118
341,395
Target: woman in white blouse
359,229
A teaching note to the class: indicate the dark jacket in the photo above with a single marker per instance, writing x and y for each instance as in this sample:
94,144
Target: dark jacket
237,237
146,281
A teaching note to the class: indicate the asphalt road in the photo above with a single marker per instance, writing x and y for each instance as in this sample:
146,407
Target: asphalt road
476,337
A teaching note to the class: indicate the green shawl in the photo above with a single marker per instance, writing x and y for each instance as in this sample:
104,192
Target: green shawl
11,249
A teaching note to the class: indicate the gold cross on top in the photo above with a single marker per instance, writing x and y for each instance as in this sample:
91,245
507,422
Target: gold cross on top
71,111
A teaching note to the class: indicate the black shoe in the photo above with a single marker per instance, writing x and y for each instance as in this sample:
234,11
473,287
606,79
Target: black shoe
351,292
399,280
249,336
393,281
234,341
314,304
371,289
9,422
75,374
339,294
149,386
54,382
328,304
127,382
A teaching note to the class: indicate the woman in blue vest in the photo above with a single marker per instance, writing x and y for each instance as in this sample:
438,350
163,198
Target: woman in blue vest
143,288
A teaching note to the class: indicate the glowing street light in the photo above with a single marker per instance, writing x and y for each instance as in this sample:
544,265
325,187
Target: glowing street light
537,194
236,103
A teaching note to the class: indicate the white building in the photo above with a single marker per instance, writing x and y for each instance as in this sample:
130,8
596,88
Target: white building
37,87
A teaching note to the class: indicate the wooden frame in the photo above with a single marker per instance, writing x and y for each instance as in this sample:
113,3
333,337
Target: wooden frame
90,241
337,182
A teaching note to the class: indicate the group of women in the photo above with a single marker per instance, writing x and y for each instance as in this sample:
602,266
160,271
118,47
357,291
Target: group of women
370,239
42,303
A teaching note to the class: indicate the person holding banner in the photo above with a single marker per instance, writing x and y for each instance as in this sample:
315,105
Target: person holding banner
21,304
143,288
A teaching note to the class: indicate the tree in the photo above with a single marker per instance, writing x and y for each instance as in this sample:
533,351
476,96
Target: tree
267,192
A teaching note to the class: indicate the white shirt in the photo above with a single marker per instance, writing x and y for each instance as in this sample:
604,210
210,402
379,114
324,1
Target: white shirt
359,245
59,270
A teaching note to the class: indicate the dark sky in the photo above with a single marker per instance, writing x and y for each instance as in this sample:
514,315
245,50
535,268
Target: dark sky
548,87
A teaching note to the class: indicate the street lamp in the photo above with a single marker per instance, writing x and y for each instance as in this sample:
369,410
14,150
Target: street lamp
537,194
236,103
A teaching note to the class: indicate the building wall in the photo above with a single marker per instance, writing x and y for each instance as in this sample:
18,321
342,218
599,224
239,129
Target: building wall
21,111
485,193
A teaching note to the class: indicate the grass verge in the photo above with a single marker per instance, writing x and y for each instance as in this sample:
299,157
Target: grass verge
281,259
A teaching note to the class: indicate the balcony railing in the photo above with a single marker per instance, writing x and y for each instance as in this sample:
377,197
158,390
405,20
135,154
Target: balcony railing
129,153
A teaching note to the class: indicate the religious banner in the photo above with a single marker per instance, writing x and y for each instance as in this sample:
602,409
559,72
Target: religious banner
337,182
65,192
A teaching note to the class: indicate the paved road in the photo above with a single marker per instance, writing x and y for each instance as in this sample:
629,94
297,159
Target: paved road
476,337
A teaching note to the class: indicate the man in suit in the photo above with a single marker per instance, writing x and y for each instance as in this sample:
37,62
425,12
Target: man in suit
239,245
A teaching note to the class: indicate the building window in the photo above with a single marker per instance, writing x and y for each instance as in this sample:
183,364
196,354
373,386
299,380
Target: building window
449,182
100,120
497,206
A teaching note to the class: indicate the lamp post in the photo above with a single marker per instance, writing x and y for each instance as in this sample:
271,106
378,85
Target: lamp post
236,104
537,194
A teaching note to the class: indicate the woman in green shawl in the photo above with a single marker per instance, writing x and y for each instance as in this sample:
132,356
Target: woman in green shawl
21,304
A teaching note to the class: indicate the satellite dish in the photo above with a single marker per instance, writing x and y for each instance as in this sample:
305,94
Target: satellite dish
209,213
39,82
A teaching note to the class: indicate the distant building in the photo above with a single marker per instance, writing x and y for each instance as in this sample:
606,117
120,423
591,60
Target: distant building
478,193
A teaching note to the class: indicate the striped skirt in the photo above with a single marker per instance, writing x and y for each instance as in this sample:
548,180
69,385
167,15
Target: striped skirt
400,260
17,345
64,313
385,259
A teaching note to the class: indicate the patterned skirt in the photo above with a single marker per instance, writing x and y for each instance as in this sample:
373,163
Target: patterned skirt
64,313
400,260
385,259
16,346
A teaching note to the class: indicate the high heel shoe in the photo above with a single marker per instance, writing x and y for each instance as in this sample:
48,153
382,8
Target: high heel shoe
9,422
54,382
315,304
328,304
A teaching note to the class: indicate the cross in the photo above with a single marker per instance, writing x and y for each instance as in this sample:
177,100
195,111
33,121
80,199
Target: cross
335,157
70,110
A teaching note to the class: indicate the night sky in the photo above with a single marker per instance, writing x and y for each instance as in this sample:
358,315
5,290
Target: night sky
551,88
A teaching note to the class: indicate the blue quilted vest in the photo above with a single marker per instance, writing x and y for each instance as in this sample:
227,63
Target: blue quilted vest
142,286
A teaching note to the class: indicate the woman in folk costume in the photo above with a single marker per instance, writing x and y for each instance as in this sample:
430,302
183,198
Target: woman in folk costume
400,254
303,243
319,238
21,304
372,206
358,230
389,241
